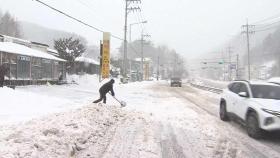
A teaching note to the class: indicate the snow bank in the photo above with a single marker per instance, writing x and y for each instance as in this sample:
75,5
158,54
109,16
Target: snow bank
17,105
28,102
212,83
59,135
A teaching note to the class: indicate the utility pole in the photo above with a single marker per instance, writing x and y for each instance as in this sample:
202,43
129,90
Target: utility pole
248,31
229,62
142,55
224,65
158,68
175,65
128,9
142,52
237,66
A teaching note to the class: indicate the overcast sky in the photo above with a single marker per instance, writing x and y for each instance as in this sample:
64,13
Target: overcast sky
191,27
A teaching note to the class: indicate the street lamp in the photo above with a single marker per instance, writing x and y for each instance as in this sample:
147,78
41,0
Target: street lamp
143,22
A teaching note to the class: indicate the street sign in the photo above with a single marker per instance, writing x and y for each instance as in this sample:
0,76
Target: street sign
232,66
106,55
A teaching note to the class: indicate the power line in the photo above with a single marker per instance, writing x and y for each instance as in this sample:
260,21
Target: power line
90,10
80,21
266,19
266,29
266,25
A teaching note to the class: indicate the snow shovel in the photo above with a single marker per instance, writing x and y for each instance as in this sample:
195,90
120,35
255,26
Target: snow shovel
123,104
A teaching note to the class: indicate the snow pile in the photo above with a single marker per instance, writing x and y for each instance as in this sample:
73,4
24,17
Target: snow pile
17,105
60,135
86,79
212,83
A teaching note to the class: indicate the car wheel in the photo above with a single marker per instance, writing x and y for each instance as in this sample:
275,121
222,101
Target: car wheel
223,112
253,128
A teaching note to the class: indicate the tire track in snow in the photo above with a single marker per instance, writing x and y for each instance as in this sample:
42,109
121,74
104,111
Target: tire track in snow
132,138
169,145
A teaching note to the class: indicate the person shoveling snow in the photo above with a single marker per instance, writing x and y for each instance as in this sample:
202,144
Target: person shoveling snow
104,89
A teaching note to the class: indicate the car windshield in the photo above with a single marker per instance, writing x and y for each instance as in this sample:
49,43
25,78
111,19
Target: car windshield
266,91
175,79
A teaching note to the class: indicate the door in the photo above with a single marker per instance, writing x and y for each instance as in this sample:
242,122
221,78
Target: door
232,97
241,102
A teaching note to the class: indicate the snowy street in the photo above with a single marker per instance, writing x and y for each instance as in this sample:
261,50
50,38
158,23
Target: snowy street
158,121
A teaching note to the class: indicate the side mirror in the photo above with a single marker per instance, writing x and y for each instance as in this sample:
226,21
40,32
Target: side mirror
243,94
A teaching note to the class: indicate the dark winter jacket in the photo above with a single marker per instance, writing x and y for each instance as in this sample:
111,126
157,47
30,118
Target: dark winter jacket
107,87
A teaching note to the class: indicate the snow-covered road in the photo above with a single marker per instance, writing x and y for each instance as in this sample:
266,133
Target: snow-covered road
159,122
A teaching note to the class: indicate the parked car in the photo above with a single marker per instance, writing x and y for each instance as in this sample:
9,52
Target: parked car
255,104
176,81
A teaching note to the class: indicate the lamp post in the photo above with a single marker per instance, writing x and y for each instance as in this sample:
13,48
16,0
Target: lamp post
130,25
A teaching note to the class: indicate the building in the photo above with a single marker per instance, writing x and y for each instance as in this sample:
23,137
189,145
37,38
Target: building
29,62
86,65
147,67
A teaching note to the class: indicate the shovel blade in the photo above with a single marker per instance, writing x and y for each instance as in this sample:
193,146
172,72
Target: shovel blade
123,104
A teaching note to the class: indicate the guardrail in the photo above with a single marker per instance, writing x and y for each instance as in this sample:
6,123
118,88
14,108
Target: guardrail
208,88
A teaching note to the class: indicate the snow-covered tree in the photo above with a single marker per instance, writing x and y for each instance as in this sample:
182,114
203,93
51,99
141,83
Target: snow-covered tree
69,49
9,25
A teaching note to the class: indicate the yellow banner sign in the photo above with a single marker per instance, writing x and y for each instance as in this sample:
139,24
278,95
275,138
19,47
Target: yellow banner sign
106,55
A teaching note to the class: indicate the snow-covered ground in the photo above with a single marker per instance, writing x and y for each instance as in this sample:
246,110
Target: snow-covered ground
25,103
158,121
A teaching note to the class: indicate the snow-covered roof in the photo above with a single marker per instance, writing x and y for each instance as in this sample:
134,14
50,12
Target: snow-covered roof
23,50
14,39
86,60
52,50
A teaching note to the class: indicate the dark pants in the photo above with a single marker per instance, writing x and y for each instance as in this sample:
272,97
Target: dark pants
102,97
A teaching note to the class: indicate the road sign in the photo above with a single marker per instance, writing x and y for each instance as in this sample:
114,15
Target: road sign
106,55
232,66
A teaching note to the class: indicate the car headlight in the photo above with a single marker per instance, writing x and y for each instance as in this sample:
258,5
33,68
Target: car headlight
275,113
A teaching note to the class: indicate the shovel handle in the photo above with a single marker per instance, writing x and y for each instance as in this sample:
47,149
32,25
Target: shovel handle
115,98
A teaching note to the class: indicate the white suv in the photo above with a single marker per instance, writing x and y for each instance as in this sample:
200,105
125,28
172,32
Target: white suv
256,104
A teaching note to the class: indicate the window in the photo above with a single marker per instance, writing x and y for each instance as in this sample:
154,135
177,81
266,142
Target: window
55,70
5,58
266,91
230,85
46,69
23,67
13,66
243,88
10,60
235,87
36,68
